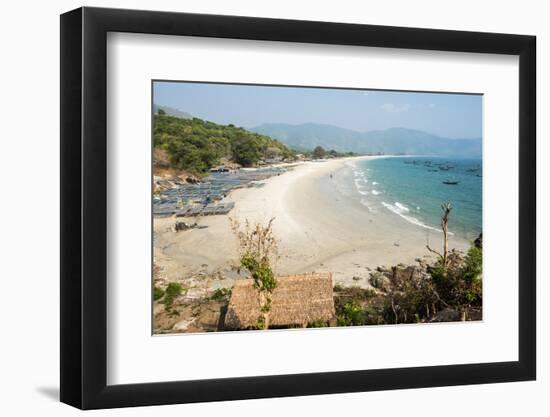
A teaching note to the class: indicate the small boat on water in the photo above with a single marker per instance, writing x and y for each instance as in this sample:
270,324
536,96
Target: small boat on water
450,182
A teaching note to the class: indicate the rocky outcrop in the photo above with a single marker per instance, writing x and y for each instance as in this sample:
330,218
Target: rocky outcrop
165,181
478,243
379,281
388,279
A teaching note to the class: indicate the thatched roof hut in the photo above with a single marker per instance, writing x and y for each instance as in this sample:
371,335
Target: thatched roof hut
297,301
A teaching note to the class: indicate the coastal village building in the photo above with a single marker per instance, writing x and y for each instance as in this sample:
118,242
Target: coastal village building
298,300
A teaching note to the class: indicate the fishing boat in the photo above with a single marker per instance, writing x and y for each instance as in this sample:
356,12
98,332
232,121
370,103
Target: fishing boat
450,182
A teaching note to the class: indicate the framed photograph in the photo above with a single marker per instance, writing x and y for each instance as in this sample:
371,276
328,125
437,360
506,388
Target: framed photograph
257,208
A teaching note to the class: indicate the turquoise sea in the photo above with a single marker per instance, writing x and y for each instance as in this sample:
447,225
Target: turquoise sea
413,188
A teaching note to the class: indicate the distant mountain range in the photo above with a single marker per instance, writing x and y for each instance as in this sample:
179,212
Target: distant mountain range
389,141
172,112
307,136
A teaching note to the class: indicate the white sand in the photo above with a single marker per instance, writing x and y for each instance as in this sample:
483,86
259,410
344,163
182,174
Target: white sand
318,226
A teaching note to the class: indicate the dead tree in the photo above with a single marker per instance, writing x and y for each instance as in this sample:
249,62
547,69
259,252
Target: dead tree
446,207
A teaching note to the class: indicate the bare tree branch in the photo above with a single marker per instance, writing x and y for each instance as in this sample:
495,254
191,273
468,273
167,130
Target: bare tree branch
434,251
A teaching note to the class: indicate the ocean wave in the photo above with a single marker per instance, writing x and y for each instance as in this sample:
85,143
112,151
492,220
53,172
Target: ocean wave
376,192
401,206
397,208
358,183
374,183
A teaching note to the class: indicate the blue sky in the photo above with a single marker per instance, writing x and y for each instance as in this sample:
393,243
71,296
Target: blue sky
448,115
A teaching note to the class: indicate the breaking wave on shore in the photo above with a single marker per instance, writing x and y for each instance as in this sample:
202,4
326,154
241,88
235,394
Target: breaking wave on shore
401,211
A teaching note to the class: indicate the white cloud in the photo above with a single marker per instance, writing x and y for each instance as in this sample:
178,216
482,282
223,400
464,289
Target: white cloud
393,108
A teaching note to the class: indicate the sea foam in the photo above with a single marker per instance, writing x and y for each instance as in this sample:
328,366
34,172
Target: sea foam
400,210
401,206
358,183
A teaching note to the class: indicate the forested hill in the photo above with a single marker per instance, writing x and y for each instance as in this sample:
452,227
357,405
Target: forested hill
196,145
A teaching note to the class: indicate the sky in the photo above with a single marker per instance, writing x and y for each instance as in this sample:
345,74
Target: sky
447,115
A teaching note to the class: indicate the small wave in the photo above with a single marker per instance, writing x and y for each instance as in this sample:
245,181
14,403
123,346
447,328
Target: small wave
401,206
396,209
376,192
358,183
374,183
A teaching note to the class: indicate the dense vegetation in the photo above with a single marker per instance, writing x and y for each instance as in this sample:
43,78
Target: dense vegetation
416,294
196,145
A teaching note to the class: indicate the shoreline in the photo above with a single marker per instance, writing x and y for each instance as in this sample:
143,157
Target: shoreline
318,226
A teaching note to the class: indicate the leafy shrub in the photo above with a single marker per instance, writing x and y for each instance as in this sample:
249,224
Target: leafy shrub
158,293
351,314
173,290
459,285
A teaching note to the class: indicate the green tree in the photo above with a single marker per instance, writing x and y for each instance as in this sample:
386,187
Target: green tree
318,152
245,151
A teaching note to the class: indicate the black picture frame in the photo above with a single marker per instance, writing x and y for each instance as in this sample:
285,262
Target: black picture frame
84,207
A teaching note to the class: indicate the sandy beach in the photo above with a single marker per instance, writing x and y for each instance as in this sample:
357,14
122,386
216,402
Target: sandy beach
318,224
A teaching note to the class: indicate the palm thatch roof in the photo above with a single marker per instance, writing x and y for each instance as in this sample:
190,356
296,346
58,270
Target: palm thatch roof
296,301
